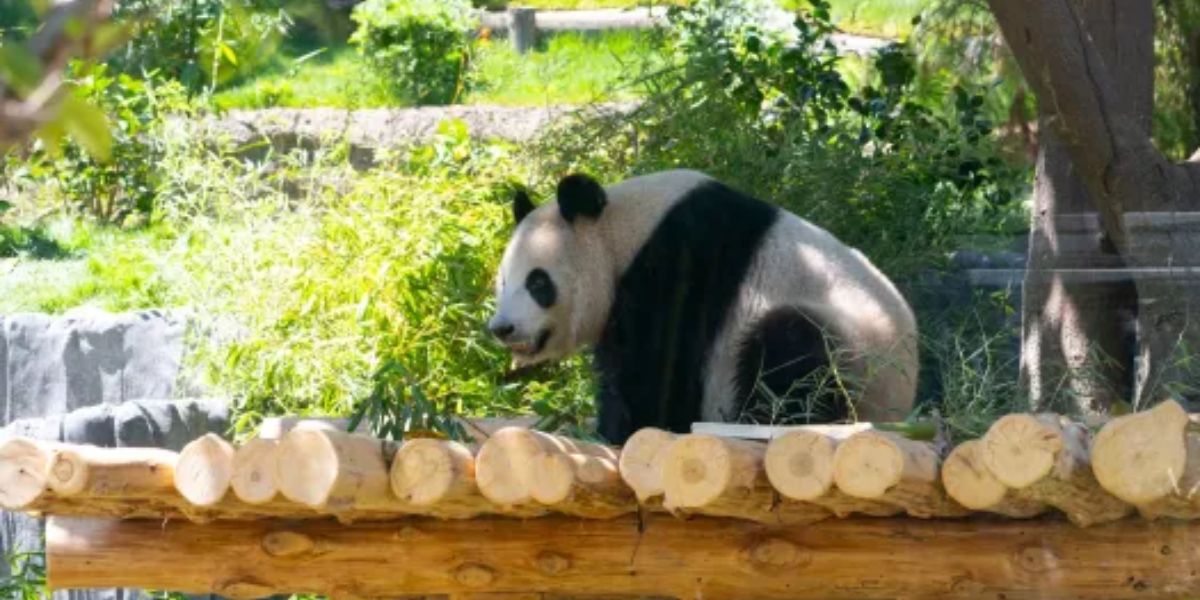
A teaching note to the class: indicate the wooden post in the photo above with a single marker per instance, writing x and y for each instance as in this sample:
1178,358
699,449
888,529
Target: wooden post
705,558
522,28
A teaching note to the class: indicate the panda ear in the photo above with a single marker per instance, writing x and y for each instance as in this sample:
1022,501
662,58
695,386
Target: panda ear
580,195
522,205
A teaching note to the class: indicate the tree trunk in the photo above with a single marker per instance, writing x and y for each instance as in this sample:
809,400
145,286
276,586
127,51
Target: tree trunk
1090,64
1076,353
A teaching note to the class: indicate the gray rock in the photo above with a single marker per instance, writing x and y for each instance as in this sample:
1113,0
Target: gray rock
167,424
90,425
256,134
58,364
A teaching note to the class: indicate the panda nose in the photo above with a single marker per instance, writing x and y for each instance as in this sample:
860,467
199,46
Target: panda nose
501,329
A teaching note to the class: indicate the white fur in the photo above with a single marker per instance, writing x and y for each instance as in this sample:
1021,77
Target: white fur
798,264
802,265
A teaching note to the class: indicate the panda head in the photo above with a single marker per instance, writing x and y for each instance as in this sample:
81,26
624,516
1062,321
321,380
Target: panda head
552,288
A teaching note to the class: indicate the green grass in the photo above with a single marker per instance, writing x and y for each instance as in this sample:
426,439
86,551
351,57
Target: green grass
335,78
105,267
881,18
568,68
886,18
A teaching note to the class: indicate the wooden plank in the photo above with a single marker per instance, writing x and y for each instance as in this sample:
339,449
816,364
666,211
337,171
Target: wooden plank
701,558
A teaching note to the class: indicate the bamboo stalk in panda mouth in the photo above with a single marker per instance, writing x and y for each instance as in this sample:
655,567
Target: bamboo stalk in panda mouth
885,467
725,477
1047,457
1151,460
531,471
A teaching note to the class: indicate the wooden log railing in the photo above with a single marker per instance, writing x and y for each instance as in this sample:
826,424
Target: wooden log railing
292,490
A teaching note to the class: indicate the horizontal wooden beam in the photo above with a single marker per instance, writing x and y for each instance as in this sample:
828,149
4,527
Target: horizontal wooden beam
660,556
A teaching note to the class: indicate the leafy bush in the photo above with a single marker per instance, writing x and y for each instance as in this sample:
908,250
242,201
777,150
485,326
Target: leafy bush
123,185
421,49
369,293
199,42
760,102
27,576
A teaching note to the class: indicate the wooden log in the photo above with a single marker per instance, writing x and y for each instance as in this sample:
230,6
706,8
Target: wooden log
95,472
799,464
641,463
204,470
24,465
1046,457
885,467
334,472
701,558
523,470
437,477
710,475
254,472
969,482
1151,460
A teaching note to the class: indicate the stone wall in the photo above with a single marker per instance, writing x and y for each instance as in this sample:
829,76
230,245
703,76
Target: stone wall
91,377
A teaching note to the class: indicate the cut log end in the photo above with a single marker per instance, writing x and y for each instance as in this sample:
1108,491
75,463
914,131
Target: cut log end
800,464
425,471
1021,449
696,471
868,464
968,480
254,471
204,470
308,465
67,474
641,461
23,467
1140,458
504,466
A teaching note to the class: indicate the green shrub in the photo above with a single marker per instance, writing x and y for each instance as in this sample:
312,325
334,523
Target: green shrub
371,292
125,184
421,49
765,108
199,43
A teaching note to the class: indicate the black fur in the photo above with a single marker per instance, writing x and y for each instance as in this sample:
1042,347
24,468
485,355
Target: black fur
541,288
522,205
669,306
580,195
786,353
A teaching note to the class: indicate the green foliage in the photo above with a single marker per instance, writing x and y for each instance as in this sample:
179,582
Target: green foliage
336,78
569,67
566,68
121,183
1177,78
27,576
200,43
371,293
767,109
421,49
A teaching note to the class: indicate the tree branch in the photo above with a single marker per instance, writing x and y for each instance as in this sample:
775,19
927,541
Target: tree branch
1107,139
64,35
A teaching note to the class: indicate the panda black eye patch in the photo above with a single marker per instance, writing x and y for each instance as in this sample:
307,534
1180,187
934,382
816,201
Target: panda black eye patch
541,287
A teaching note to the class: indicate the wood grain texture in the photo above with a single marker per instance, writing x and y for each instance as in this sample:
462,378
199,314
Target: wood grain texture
700,558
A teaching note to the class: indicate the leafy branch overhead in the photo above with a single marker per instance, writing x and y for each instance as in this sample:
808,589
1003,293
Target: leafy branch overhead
34,92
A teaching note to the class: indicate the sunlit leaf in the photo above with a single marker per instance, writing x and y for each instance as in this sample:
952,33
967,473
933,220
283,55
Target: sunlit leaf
20,68
88,126
229,54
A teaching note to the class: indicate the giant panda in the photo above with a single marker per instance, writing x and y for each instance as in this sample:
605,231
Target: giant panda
701,303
